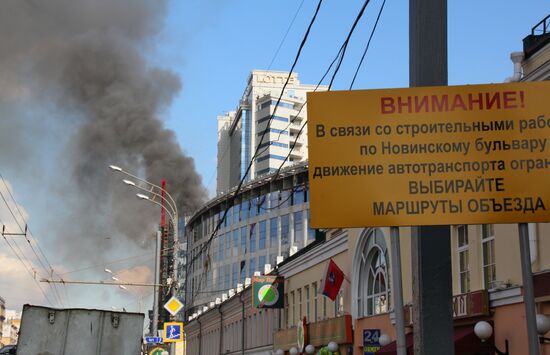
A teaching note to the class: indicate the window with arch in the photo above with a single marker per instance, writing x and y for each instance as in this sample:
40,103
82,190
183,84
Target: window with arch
374,292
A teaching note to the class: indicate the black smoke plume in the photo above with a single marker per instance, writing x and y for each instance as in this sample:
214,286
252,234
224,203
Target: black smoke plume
82,65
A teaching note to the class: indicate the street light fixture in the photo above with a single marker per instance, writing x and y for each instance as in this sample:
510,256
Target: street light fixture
129,182
310,349
333,346
384,339
169,200
483,330
115,168
543,326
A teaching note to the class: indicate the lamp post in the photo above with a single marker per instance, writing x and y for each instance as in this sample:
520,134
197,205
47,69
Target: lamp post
160,193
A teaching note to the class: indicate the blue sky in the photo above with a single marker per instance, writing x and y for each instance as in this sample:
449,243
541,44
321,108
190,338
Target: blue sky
213,45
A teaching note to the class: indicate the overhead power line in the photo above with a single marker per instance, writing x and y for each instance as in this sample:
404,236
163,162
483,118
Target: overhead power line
368,44
206,245
339,59
29,271
286,34
25,232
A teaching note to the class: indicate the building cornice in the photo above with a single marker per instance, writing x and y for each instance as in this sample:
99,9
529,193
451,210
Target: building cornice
324,251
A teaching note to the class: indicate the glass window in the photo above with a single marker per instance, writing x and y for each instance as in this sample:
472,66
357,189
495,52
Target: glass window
298,226
235,277
220,247
236,213
254,207
285,198
243,271
293,315
273,229
227,277
307,304
299,304
229,216
243,240
214,254
227,250
253,237
374,297
252,267
261,241
261,263
274,200
285,229
310,231
315,300
489,264
263,204
245,208
235,242
299,195
463,259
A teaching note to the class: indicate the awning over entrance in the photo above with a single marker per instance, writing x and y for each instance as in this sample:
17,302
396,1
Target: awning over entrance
466,343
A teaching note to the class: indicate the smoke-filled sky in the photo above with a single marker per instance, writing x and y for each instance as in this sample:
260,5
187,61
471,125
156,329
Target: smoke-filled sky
87,83
77,74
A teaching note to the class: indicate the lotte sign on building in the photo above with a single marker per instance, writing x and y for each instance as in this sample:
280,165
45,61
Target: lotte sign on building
430,156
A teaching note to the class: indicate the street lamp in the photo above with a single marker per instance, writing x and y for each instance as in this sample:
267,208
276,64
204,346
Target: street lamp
332,346
384,339
543,326
293,351
280,352
310,349
169,200
483,330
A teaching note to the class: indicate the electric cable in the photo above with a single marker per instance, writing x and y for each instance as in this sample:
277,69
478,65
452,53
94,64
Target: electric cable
339,57
286,34
31,273
205,246
368,44
25,231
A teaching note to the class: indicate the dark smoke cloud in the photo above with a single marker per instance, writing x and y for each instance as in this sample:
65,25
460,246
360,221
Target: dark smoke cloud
85,58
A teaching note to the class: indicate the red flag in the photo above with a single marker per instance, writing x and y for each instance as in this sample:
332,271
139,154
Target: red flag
333,280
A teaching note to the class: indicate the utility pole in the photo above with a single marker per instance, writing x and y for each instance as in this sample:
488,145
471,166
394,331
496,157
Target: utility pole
431,245
156,289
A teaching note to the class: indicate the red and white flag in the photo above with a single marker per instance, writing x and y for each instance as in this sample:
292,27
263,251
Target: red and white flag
333,280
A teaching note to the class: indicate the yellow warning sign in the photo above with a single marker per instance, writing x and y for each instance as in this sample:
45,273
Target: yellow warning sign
430,156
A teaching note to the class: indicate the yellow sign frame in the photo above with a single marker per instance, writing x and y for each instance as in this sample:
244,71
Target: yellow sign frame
173,340
430,156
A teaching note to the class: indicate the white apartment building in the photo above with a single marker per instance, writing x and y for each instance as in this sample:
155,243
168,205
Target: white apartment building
240,131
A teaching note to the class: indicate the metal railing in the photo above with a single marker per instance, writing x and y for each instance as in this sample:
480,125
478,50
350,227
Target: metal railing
536,30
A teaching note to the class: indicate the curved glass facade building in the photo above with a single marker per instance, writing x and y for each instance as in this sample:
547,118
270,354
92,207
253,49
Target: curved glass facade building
267,222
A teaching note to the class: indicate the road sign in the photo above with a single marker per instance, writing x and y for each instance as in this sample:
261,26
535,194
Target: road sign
153,340
173,332
268,291
158,351
432,155
173,306
371,343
